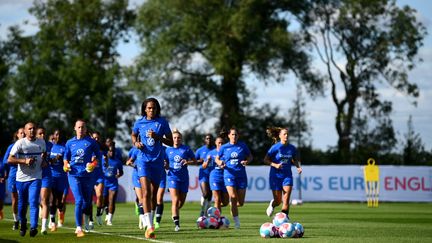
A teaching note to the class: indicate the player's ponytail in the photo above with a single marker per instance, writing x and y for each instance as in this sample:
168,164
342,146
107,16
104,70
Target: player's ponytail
273,133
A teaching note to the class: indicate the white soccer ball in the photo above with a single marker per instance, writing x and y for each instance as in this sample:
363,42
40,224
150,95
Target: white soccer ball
224,223
279,219
213,212
268,230
202,222
287,230
213,223
299,230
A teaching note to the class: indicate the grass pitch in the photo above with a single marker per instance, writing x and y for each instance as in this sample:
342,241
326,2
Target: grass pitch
323,222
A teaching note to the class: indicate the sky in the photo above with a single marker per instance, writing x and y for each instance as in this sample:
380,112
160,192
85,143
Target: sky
320,111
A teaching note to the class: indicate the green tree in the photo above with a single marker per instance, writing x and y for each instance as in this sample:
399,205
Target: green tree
413,147
299,127
69,69
200,52
363,44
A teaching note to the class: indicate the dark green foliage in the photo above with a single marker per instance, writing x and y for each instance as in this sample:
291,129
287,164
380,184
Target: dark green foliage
69,68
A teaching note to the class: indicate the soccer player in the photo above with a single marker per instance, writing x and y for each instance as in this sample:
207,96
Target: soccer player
99,180
148,134
160,197
233,157
204,172
179,157
29,154
281,156
132,156
217,185
113,169
10,173
45,192
60,185
2,188
79,152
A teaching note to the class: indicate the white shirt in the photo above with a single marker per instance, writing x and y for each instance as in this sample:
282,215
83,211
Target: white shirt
25,148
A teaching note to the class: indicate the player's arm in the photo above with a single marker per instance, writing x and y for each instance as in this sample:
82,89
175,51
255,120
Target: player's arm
296,162
268,161
135,140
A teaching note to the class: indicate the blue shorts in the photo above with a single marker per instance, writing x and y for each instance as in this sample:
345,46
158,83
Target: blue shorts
217,181
162,183
12,184
151,170
135,179
203,176
236,182
60,184
47,182
110,185
277,184
181,185
98,177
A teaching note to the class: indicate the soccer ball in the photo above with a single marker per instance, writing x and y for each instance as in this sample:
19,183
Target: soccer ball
287,230
202,222
213,212
213,223
299,230
279,219
268,230
224,223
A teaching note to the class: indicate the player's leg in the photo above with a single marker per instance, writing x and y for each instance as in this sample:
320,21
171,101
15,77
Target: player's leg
34,196
22,188
175,199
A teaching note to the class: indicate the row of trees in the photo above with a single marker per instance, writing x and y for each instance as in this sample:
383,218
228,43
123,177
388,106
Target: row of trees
197,56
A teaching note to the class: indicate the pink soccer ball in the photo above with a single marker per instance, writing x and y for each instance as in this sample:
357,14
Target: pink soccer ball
213,212
213,223
279,219
224,223
268,230
287,230
202,222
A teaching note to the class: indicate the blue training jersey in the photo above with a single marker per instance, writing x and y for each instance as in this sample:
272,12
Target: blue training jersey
152,148
79,152
46,171
212,163
111,169
282,154
9,168
232,155
201,153
177,171
57,165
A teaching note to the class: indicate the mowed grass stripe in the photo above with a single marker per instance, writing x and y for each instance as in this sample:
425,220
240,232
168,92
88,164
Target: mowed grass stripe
323,222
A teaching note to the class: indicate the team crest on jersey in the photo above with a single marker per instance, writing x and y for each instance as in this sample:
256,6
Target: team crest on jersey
177,158
150,141
80,152
234,155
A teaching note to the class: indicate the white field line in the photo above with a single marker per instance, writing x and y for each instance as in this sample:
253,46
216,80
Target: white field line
113,234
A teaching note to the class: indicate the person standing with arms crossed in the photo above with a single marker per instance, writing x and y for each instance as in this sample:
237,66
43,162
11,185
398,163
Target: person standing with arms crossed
148,134
79,151
233,158
281,156
29,154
